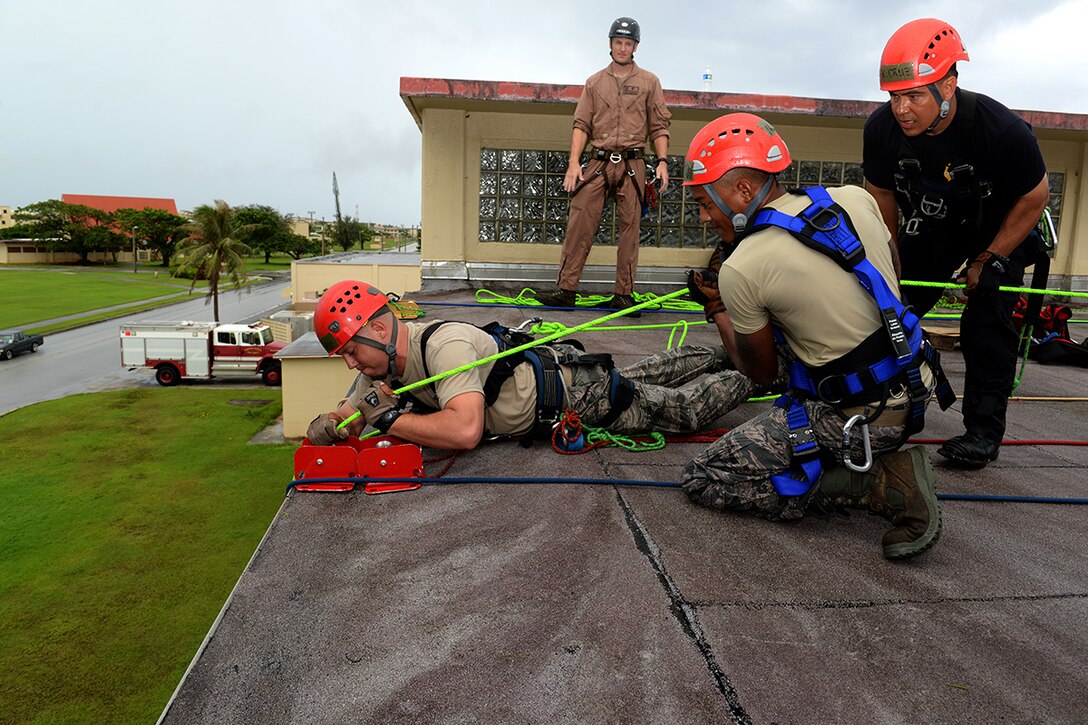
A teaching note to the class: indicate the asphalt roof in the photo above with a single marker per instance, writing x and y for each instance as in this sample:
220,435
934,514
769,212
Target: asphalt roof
589,603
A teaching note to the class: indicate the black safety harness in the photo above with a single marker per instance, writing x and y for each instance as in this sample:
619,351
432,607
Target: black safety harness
891,356
614,157
545,360
963,197
963,194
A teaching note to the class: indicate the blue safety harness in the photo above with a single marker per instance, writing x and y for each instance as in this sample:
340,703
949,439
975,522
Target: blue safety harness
893,354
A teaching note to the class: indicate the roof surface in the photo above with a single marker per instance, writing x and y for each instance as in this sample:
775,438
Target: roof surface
113,203
416,92
596,602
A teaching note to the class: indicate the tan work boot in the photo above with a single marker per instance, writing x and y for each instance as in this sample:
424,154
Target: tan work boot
901,488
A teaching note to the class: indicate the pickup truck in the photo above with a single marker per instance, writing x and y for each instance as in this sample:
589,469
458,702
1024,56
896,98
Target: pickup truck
14,341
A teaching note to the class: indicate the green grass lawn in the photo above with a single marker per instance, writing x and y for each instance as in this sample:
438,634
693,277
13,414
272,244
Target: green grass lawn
127,518
30,295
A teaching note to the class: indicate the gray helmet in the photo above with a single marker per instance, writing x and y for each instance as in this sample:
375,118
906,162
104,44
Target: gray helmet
624,28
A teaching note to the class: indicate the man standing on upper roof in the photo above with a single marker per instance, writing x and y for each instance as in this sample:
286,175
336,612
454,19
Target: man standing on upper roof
968,177
620,107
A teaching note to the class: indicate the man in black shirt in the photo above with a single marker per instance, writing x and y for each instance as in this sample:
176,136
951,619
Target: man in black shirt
968,177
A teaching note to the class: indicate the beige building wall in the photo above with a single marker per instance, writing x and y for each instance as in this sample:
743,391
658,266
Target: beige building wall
390,272
6,219
313,384
459,118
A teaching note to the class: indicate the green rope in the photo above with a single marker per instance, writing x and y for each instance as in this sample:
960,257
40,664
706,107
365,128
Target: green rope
514,351
682,325
1024,336
1021,290
603,437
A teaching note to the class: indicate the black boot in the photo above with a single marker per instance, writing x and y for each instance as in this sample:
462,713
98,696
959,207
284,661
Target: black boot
620,302
970,450
557,298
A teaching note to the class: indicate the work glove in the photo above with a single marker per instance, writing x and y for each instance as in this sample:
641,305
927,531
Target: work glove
323,432
703,288
719,255
984,274
374,402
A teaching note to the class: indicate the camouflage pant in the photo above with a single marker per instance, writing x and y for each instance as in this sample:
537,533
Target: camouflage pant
734,472
682,390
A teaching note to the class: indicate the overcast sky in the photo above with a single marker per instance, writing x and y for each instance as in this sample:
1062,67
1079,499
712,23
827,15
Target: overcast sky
259,101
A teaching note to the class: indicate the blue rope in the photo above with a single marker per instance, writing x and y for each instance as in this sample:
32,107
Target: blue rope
653,484
542,307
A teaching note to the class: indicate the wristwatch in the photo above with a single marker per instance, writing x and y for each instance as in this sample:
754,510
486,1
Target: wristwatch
386,419
661,160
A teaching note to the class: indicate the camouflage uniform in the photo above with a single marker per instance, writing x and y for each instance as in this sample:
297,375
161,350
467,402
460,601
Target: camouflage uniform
676,391
734,472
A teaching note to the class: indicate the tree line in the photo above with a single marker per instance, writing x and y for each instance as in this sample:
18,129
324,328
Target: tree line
77,229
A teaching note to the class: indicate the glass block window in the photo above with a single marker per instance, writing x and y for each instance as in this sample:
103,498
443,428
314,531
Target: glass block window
522,199
1057,194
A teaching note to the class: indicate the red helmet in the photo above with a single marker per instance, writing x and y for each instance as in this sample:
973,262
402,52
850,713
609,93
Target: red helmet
732,141
919,53
343,310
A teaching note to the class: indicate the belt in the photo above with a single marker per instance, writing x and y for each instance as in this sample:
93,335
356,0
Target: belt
892,415
618,156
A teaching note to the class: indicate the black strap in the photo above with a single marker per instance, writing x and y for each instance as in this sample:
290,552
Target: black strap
621,394
605,154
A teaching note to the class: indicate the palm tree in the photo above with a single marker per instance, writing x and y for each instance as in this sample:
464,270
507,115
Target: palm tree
213,249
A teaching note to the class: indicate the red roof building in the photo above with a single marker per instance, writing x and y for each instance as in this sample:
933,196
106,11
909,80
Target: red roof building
113,203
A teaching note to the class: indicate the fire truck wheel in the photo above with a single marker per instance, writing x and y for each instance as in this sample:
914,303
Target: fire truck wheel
272,375
167,375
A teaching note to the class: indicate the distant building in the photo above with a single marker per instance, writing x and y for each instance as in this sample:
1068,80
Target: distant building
29,251
113,203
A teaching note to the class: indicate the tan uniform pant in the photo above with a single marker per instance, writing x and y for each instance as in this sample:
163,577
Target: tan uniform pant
585,216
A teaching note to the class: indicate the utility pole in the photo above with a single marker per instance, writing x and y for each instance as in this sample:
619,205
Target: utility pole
134,228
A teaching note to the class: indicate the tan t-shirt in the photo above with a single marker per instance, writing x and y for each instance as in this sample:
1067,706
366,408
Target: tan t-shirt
822,311
455,344
620,112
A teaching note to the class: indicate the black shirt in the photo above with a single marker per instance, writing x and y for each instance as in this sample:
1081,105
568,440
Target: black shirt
997,143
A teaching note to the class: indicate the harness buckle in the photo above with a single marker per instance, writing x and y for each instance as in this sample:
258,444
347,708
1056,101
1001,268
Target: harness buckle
931,207
832,390
803,439
912,226
867,449
615,157
836,220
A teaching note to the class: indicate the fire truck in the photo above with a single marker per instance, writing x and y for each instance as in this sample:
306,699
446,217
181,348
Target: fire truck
201,350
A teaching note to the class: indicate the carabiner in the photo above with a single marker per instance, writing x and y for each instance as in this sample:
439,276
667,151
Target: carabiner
528,323
847,434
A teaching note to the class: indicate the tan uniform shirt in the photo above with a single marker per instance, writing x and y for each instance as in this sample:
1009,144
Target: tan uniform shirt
621,111
822,311
455,344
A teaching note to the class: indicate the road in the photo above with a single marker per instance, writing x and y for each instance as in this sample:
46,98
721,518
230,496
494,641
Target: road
88,359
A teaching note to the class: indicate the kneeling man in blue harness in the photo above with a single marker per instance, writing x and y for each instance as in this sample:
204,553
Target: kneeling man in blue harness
812,270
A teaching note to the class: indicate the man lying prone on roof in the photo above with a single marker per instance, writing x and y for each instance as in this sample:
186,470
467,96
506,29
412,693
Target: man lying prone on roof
678,391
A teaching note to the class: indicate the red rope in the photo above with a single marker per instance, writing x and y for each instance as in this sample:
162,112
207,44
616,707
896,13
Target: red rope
1007,443
451,458
568,431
